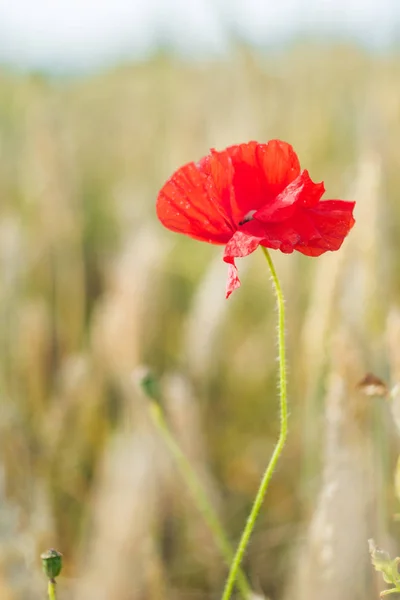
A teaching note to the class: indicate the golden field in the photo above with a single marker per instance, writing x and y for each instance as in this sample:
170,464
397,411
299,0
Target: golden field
92,289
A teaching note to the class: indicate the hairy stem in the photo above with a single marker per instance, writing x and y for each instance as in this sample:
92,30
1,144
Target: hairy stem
251,520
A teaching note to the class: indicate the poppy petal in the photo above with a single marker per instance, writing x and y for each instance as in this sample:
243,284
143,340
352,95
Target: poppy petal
261,172
233,282
312,231
243,242
219,169
279,163
302,192
189,203
248,180
333,219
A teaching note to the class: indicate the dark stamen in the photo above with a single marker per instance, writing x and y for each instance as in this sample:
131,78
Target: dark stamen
248,217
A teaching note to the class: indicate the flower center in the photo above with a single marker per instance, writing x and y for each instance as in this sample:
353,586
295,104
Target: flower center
248,217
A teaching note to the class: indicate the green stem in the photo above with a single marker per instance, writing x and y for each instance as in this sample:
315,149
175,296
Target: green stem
51,589
251,521
199,496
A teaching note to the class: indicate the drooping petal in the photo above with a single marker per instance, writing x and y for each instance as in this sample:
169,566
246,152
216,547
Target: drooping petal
333,219
189,203
233,281
302,192
243,242
312,231
261,172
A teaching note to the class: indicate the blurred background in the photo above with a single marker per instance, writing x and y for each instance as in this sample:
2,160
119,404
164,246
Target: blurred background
99,103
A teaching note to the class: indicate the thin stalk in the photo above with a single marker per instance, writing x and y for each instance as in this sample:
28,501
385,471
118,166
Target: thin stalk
199,496
51,589
251,520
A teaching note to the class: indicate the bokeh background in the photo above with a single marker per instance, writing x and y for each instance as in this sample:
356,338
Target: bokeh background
99,103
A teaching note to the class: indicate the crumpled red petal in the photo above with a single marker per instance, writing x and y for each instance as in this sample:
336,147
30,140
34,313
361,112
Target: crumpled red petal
233,282
332,219
261,172
243,242
279,163
218,168
312,231
302,192
189,203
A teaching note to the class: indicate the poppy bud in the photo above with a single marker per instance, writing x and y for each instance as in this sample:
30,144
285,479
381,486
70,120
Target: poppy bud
148,383
51,563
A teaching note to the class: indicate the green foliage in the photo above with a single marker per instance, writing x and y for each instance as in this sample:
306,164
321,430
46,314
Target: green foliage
385,565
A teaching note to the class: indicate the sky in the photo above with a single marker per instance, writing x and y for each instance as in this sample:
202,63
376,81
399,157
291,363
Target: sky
79,35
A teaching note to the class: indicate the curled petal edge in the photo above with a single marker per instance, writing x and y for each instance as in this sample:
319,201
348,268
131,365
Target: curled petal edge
242,243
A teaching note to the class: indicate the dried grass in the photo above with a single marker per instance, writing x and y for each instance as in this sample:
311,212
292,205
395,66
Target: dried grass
91,287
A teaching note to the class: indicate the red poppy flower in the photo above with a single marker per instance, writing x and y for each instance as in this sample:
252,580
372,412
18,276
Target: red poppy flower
250,195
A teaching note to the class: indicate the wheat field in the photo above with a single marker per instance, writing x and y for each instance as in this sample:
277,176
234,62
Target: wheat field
93,289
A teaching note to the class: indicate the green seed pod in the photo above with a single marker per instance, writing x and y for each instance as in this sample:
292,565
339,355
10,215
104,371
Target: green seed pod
149,384
51,563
